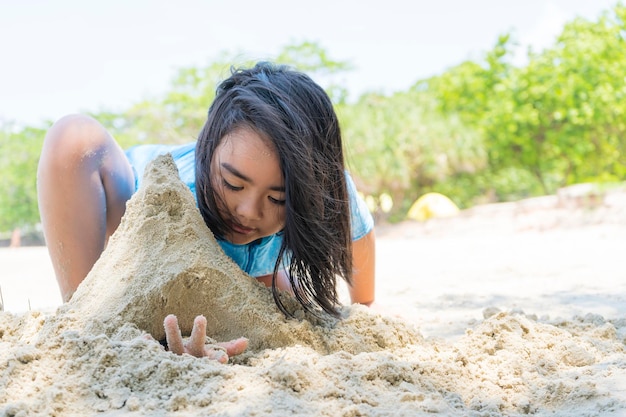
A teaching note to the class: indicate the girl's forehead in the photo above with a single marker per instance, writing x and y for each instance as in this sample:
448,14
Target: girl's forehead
251,156
247,142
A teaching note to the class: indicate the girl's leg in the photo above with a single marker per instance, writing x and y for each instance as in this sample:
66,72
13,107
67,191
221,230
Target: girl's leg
83,183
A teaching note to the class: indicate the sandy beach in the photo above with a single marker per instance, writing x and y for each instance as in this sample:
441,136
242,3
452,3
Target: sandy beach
442,274
506,309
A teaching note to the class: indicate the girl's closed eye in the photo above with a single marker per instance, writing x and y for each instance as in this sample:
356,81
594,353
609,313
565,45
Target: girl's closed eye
277,201
230,186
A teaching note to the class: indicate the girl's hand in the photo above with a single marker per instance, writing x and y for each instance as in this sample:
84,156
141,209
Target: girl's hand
195,344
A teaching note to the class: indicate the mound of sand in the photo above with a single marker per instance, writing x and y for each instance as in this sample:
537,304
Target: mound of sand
91,356
164,260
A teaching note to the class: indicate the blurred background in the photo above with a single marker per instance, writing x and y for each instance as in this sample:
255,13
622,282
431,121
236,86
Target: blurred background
481,102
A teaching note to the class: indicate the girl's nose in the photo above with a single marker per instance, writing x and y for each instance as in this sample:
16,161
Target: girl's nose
249,209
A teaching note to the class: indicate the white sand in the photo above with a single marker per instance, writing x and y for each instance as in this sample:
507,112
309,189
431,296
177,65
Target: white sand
522,306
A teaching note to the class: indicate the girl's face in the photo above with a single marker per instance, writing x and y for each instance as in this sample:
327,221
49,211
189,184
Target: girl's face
250,186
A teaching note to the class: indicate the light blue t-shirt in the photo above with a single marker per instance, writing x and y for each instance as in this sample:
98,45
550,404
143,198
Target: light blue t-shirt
259,257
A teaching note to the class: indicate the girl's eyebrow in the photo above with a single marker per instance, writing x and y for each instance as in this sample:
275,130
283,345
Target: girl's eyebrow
235,171
238,174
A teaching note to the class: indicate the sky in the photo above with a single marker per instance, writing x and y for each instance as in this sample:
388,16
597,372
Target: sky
66,56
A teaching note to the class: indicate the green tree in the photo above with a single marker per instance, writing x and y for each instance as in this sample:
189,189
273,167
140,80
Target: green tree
556,121
19,155
399,146
485,129
562,116
178,116
313,59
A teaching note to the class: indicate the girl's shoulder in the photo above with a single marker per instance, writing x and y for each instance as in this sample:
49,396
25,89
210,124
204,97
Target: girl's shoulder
361,218
139,156
142,154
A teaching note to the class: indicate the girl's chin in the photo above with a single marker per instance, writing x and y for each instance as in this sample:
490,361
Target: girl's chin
242,239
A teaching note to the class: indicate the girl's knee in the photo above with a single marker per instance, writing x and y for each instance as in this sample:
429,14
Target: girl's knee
75,136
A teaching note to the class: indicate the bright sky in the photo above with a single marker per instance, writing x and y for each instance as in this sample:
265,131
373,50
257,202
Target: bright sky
63,56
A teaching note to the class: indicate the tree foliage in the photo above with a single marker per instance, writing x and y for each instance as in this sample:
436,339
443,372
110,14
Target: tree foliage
399,146
19,155
484,130
178,116
560,118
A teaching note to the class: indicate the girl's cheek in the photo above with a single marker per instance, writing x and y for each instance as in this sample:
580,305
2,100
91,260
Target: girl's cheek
282,218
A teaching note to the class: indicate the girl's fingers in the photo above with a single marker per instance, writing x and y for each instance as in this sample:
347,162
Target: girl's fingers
235,347
216,355
172,335
195,344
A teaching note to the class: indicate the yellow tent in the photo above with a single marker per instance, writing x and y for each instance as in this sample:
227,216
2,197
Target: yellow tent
432,205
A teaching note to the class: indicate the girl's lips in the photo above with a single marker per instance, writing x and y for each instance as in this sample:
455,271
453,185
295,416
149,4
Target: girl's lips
241,229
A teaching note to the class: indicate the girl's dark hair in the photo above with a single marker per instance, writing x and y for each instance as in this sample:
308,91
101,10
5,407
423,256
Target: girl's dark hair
296,114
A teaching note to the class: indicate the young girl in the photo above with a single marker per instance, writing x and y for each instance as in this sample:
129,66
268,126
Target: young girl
268,175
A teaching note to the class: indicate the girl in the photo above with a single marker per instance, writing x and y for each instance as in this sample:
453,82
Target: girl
269,179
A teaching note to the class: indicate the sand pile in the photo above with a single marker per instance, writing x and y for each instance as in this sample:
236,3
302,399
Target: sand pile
164,260
91,356
509,365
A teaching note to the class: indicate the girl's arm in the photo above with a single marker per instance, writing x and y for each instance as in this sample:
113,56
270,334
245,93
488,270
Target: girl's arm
362,290
282,281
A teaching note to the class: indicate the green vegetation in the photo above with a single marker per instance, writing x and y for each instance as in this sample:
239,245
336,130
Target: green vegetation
484,130
19,153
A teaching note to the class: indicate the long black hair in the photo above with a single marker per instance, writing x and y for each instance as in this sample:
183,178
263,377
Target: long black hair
296,114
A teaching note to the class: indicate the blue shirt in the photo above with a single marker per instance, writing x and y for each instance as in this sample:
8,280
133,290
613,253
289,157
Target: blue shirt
259,257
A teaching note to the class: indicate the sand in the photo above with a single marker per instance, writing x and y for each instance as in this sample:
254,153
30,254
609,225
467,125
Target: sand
455,335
